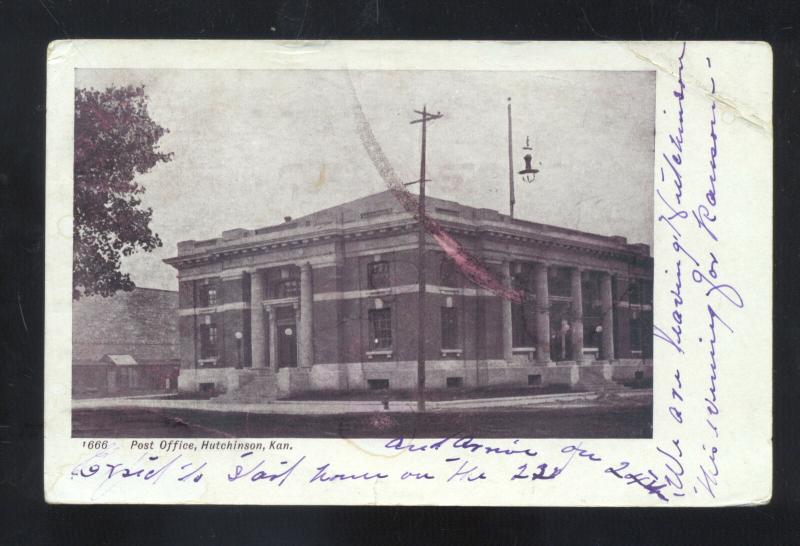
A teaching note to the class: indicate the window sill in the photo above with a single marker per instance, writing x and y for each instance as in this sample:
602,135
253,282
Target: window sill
208,362
447,352
594,352
385,291
386,353
523,349
450,290
271,302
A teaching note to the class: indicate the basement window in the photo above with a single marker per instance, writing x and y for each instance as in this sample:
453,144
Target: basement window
455,382
535,379
378,384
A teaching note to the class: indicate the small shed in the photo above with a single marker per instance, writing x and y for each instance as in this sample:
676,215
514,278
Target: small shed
125,344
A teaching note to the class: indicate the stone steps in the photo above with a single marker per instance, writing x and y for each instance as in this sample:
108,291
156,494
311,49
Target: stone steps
594,378
254,387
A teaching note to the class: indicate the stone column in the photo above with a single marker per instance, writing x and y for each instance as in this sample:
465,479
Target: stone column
257,333
542,314
507,325
577,316
273,339
306,327
608,317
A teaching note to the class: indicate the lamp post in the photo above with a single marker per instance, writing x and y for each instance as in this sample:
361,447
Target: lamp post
238,336
600,349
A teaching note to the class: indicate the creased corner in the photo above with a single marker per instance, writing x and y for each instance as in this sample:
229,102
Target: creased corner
727,101
58,50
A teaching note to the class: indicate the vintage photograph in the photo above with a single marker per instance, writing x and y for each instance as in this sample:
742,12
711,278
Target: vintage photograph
362,253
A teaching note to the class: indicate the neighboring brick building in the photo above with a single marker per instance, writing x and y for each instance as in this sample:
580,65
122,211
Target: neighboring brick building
125,343
329,301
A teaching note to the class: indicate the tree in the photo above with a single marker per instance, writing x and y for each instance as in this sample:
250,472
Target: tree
115,140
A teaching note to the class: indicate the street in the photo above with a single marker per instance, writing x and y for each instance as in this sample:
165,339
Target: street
575,422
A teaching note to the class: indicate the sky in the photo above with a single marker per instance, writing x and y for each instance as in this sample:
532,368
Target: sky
253,146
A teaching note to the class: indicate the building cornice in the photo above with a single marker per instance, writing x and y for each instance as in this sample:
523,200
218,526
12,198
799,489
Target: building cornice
518,232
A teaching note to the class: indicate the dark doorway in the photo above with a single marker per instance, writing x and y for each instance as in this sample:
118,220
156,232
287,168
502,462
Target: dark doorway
287,346
560,331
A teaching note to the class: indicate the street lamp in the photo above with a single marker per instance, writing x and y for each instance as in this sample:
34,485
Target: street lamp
528,173
238,336
600,351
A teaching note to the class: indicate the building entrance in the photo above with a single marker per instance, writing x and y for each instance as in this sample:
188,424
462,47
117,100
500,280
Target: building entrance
287,346
560,332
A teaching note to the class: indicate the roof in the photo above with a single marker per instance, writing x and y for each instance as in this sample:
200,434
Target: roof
142,324
120,360
384,207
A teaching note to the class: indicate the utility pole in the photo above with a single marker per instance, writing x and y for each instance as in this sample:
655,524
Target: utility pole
426,117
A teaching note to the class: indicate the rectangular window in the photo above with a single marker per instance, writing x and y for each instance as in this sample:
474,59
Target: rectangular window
635,292
449,328
523,327
208,295
560,281
287,288
635,326
378,275
208,340
647,291
380,329
521,281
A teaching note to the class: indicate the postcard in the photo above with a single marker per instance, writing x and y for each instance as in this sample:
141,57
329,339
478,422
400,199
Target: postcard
409,273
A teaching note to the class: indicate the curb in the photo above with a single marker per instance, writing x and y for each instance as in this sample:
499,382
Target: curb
317,407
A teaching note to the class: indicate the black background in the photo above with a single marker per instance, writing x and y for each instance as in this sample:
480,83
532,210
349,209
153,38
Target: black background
26,27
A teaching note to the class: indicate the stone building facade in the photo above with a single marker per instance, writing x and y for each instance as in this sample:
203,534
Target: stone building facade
328,301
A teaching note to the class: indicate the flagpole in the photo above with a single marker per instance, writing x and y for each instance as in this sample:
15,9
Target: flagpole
511,199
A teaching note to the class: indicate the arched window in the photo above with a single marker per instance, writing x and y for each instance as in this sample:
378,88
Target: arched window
449,274
378,275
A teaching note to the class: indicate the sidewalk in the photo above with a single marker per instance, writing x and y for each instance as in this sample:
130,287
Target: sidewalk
638,397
